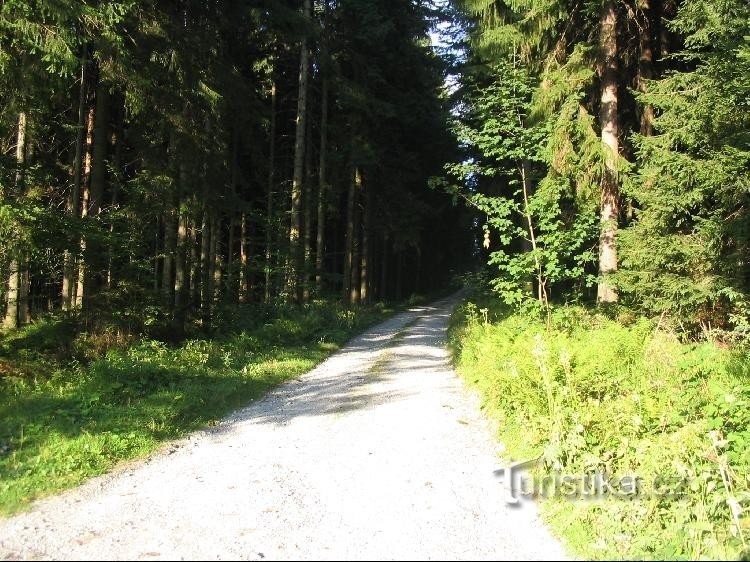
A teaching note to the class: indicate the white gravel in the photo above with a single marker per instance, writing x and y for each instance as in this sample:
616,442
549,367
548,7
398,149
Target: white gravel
378,453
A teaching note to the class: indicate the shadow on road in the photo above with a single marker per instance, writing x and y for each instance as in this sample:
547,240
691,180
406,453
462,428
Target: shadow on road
364,374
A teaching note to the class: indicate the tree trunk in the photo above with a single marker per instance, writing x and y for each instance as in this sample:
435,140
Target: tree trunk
383,289
215,259
14,282
99,150
206,283
354,294
350,234
609,122
14,298
24,291
270,221
364,273
231,274
364,279
181,265
171,221
117,166
24,288
94,253
323,162
73,201
244,290
646,64
195,265
308,214
399,275
665,12
295,255
181,272
85,202
157,252
320,245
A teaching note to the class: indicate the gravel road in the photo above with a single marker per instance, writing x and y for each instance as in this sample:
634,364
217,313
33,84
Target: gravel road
378,453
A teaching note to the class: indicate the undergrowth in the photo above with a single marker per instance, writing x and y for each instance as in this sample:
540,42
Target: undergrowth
589,395
72,407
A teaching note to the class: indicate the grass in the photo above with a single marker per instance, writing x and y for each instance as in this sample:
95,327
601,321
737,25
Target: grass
67,414
621,397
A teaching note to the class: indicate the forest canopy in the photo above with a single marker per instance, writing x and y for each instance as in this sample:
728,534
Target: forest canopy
607,145
162,160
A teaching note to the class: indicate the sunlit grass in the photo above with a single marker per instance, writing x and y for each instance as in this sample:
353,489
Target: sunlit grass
63,419
588,394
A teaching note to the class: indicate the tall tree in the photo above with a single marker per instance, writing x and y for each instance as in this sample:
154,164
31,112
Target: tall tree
320,240
609,122
295,273
13,299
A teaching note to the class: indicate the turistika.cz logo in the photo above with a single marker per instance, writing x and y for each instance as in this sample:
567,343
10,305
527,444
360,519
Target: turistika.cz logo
519,483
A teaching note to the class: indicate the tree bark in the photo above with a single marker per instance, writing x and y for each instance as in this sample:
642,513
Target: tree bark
399,274
14,298
73,201
646,64
171,222
181,272
24,291
323,162
117,165
99,150
181,265
270,221
216,259
354,293
195,264
364,272
244,289
85,202
295,255
609,122
14,281
93,257
383,289
206,283
308,214
320,242
350,234
231,262
233,273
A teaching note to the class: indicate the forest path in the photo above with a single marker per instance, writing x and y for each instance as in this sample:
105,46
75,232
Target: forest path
378,453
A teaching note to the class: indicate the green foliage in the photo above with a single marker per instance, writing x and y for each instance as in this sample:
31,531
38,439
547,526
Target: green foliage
67,414
686,254
591,394
523,173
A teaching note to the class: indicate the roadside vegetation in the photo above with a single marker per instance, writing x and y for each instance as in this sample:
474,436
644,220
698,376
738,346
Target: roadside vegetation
607,152
73,405
618,394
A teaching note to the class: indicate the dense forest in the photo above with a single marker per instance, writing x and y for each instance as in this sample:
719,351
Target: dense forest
162,160
185,183
607,144
173,158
